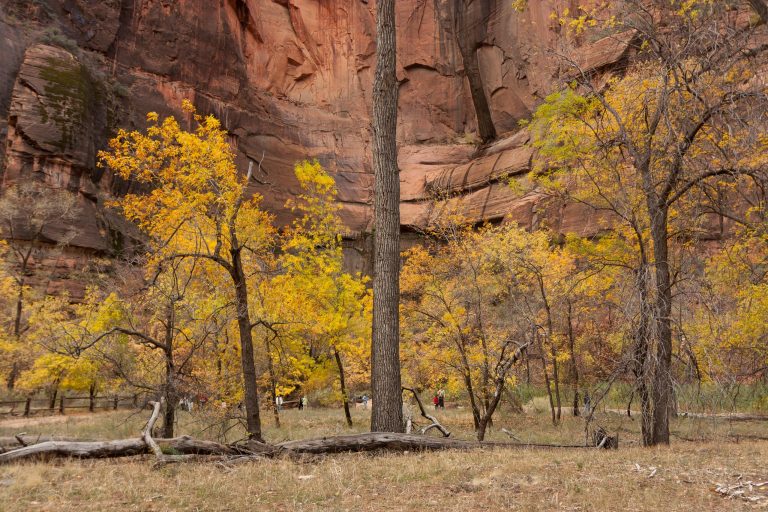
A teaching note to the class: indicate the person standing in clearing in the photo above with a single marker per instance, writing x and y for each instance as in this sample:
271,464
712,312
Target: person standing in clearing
365,401
441,398
304,402
436,401
301,403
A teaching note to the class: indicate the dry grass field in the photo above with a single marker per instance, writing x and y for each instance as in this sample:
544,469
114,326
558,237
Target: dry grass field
706,454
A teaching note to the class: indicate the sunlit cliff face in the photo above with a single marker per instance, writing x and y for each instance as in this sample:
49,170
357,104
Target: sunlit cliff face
289,79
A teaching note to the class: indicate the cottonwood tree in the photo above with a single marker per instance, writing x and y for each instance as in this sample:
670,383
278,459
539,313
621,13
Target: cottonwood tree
387,414
199,209
729,335
331,308
52,368
468,311
170,322
645,146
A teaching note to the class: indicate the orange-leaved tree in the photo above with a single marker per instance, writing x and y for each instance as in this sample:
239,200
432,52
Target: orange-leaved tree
198,208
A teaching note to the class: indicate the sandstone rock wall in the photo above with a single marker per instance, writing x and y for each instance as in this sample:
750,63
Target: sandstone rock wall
290,79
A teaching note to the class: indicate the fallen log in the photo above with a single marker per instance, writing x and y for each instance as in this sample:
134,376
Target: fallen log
21,440
146,433
111,449
187,446
372,441
395,442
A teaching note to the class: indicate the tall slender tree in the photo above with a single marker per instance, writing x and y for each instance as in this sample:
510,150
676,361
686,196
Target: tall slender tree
652,148
387,413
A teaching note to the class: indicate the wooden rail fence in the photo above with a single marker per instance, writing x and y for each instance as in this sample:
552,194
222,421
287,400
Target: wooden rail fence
37,406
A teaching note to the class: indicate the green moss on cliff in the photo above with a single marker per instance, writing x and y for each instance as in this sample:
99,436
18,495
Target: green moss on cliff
71,94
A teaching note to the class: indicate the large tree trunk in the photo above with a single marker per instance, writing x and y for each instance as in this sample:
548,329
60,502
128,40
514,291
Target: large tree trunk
387,415
253,421
343,385
641,363
470,22
662,378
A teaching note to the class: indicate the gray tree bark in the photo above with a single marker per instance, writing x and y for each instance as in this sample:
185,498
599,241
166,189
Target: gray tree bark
387,414
253,419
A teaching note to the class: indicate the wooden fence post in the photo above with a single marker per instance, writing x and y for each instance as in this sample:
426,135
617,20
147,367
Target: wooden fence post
27,406
61,404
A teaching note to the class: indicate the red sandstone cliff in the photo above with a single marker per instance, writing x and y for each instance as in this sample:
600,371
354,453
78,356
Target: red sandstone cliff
290,79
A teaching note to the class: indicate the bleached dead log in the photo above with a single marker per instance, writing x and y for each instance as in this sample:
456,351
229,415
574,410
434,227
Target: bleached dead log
250,450
511,434
373,441
146,434
23,439
77,449
110,449
435,424
396,442
326,445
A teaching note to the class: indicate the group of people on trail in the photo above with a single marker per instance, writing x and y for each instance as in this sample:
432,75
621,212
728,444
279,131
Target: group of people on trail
439,399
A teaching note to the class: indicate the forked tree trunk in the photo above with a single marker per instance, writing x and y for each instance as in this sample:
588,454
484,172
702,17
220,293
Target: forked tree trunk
499,385
343,385
387,414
